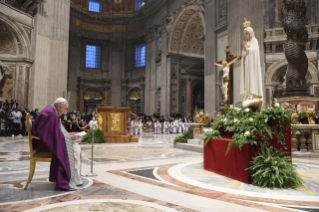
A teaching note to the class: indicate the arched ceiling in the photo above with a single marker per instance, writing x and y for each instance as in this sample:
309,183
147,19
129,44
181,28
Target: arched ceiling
185,37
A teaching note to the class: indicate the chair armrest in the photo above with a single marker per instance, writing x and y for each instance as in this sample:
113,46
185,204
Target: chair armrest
34,137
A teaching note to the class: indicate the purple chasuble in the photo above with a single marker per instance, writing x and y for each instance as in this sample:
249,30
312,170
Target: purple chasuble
47,127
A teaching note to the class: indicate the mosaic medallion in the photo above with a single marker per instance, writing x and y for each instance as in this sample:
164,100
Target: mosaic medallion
6,43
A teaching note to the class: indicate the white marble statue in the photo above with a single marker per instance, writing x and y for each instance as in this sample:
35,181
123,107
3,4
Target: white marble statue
251,88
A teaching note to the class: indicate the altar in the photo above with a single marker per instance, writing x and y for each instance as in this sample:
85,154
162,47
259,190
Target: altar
114,124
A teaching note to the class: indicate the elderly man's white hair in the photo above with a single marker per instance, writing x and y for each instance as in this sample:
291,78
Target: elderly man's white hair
59,101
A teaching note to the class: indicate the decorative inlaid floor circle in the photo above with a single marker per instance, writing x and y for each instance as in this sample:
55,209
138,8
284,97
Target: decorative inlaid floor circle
104,205
194,174
6,43
37,189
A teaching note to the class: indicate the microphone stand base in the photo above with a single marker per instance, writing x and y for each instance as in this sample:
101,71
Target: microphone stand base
91,175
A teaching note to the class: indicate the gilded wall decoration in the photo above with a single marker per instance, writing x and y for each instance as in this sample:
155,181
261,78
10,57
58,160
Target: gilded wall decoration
185,37
92,94
6,84
107,29
115,121
7,41
135,94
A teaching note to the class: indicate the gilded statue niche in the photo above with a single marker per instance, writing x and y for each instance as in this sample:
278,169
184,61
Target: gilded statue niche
185,37
92,94
7,41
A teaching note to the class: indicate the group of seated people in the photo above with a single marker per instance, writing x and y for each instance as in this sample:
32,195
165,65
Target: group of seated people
158,126
69,120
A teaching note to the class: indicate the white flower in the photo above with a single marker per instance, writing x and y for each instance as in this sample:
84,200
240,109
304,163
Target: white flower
277,105
251,119
231,106
236,120
237,109
247,133
224,120
247,110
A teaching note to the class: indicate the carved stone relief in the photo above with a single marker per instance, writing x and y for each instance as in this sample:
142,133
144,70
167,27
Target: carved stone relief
223,8
174,72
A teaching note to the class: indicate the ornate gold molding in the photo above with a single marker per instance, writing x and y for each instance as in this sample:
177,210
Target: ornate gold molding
106,29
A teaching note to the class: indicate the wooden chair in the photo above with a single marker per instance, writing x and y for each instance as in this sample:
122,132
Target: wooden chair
35,156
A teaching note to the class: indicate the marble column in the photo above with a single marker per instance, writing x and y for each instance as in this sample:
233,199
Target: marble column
81,100
189,99
210,54
51,53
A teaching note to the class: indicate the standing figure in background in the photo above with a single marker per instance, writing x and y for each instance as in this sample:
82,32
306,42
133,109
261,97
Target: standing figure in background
149,126
166,127
157,126
174,126
16,121
180,126
140,127
185,127
134,127
128,125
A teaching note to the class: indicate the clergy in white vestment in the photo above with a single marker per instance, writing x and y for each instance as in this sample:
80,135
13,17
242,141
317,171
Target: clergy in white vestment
166,126
251,88
185,127
174,126
140,127
157,127
180,126
134,127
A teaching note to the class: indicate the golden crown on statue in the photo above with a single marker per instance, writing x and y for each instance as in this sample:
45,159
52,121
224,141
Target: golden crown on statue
246,23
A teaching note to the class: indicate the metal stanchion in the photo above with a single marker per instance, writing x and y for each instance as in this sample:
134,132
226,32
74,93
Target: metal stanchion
91,174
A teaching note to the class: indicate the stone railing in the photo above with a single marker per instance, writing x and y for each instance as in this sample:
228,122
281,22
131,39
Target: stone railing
276,38
308,137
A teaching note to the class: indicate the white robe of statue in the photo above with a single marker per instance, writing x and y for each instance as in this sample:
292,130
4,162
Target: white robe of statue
251,76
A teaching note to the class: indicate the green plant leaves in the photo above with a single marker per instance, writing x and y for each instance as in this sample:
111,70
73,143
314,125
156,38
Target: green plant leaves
98,137
271,169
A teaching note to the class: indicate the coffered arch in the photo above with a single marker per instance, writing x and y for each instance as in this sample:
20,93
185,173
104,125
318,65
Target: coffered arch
186,33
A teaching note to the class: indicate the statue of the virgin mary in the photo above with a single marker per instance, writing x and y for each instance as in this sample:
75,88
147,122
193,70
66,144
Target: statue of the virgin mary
251,77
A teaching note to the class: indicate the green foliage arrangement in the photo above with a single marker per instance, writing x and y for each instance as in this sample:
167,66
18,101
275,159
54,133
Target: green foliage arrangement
242,122
302,115
98,137
270,168
183,138
212,134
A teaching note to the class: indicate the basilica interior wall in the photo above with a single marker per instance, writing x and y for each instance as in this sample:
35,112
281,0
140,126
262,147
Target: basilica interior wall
15,52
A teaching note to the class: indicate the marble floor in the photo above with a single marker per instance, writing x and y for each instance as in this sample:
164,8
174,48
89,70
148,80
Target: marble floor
150,175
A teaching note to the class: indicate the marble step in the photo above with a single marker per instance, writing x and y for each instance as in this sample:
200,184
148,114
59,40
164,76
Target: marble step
194,141
190,147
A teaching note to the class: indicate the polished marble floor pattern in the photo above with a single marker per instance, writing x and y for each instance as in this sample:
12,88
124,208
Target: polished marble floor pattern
150,175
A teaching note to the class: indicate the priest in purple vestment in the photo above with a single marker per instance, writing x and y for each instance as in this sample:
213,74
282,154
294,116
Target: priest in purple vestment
56,140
